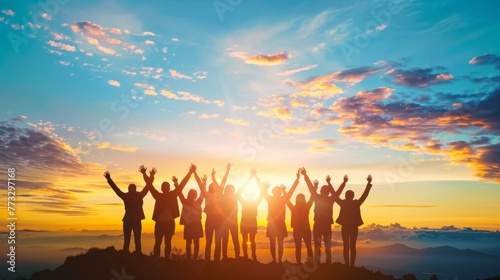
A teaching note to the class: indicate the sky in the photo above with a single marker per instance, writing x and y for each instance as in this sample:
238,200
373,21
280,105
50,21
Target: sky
407,91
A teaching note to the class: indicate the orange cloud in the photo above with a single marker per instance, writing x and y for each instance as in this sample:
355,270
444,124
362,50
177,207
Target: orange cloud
261,59
107,145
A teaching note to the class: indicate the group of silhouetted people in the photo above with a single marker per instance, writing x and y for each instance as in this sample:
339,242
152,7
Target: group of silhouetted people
221,210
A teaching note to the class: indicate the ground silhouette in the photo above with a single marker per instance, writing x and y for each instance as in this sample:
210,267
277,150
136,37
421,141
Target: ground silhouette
112,264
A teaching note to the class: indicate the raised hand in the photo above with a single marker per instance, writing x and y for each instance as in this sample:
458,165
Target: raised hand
142,169
175,180
282,187
192,168
298,174
152,172
228,166
346,178
213,172
316,183
204,179
107,175
369,178
328,179
303,171
253,172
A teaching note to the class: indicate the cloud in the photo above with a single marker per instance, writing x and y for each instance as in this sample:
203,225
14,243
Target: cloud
65,63
175,39
302,129
46,16
419,77
236,121
113,83
149,42
239,108
261,59
321,146
30,148
106,50
297,70
209,116
61,46
176,75
115,30
486,59
107,145
187,96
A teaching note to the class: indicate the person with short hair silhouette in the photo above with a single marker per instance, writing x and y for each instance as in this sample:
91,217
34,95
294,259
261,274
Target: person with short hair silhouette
248,222
323,213
133,201
230,207
191,217
350,219
214,223
300,225
166,209
276,227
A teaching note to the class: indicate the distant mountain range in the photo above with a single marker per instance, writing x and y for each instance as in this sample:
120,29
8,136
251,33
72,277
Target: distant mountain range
401,249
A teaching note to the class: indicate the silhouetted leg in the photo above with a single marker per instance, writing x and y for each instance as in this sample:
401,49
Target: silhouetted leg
252,245
225,241
127,232
297,239
209,232
345,240
328,245
196,242
353,236
244,244
218,239
307,241
317,242
158,239
234,236
168,245
137,228
280,248
188,248
272,247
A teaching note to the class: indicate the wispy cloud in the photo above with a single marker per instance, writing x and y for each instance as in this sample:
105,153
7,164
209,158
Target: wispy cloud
114,83
261,59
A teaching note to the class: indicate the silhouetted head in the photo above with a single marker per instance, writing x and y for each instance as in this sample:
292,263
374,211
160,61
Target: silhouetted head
229,189
276,191
165,187
192,194
211,188
132,188
349,195
300,199
324,190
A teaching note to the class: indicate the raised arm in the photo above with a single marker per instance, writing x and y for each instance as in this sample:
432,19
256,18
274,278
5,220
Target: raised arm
367,190
336,194
224,179
294,186
149,180
242,188
180,187
310,186
115,188
262,187
202,183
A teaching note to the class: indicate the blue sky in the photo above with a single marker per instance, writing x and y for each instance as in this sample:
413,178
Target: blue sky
405,90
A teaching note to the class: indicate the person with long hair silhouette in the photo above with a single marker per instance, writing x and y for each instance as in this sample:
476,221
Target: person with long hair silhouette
214,223
230,208
300,225
191,217
166,209
323,213
350,219
248,222
276,227
133,201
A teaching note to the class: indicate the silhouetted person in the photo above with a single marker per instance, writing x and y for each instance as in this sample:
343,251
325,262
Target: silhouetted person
350,219
323,214
214,223
300,225
248,223
133,201
230,208
191,218
276,227
166,210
